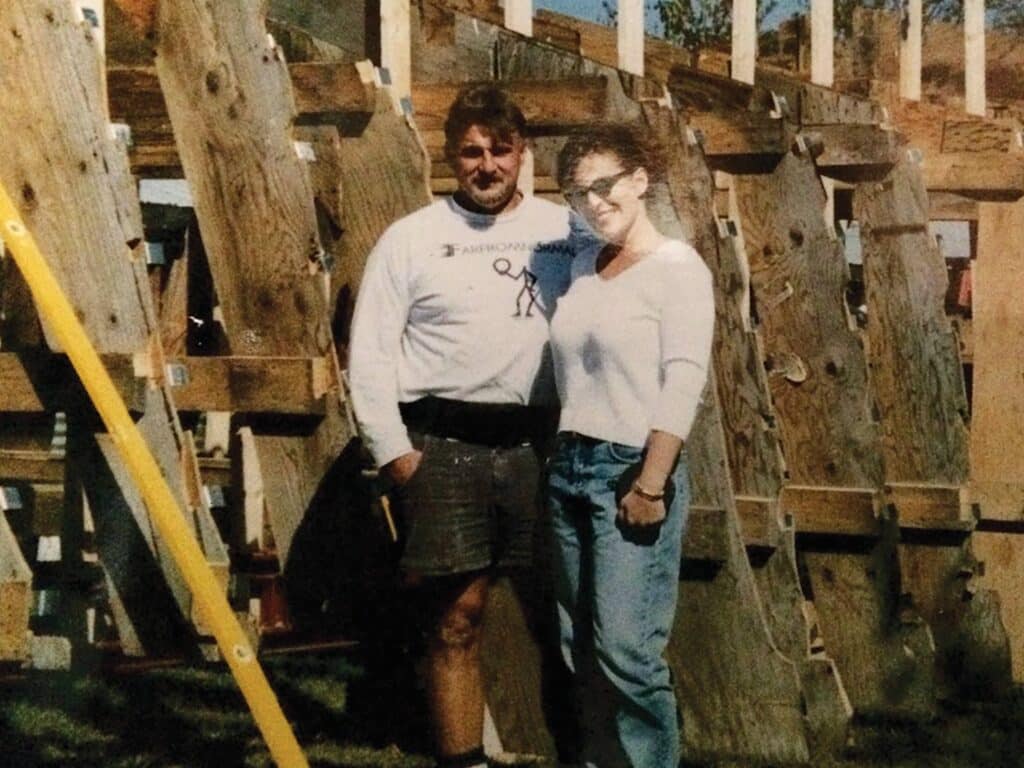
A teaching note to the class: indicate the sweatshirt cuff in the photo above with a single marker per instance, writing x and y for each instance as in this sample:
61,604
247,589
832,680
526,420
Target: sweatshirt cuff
388,449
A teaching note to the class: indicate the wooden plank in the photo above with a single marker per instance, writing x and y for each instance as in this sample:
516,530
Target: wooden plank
832,511
36,381
886,657
943,581
916,375
853,152
979,136
997,414
910,51
815,363
389,148
548,105
78,198
254,201
1002,556
285,385
993,176
931,506
31,466
951,206
15,597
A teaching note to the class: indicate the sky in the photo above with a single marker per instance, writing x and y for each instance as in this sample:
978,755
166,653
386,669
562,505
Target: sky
593,10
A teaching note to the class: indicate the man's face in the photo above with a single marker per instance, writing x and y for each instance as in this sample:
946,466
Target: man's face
486,167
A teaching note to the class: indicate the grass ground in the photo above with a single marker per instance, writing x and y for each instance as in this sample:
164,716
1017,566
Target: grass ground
193,717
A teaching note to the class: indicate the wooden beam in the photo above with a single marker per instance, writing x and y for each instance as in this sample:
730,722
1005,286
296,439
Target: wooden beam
997,416
916,376
548,105
974,57
31,466
931,507
832,511
283,385
15,596
37,381
853,152
980,136
744,40
983,176
255,205
630,22
910,51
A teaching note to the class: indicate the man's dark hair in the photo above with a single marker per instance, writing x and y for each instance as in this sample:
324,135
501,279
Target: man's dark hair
632,146
487,106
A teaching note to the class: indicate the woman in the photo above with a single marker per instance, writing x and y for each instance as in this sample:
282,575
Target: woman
631,342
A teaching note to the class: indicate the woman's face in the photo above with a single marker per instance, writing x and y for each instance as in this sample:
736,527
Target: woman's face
606,195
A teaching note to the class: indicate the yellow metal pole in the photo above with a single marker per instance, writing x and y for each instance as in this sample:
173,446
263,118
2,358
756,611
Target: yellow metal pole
170,522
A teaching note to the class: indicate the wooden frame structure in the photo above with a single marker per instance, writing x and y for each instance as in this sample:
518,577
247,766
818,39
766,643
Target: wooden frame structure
824,449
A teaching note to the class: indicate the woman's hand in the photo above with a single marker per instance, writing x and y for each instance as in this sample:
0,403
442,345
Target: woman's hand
634,510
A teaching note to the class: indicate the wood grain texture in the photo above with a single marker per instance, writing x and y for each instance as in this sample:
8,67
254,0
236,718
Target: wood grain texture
79,200
887,659
753,447
997,416
799,277
229,97
973,646
15,597
916,377
1003,558
388,145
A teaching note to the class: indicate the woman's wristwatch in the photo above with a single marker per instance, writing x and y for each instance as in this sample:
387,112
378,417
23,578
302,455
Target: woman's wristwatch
643,493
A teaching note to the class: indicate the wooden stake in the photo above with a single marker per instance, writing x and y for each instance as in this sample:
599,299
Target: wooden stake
519,16
395,45
910,52
744,40
631,36
822,38
974,57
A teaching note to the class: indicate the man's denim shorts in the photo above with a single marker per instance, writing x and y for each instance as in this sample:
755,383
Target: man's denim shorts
468,507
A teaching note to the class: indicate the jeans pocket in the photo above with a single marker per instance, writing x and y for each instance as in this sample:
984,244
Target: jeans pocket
627,454
421,443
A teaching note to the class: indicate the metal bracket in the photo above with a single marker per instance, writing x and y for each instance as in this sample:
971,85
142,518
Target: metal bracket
155,254
780,107
176,374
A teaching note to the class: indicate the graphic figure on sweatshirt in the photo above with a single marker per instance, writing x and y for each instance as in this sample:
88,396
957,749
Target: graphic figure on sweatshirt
504,267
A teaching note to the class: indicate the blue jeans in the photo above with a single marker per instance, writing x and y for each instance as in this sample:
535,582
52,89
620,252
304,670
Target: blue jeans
616,596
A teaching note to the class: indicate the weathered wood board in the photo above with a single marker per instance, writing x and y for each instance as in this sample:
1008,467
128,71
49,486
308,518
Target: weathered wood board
15,597
73,187
819,387
229,97
1002,554
997,406
917,383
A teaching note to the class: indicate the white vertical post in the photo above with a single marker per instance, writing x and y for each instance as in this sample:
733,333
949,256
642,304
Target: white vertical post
974,56
519,16
822,42
395,45
823,73
910,52
744,40
631,36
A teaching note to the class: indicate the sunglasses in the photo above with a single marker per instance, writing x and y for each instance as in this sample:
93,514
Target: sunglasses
577,196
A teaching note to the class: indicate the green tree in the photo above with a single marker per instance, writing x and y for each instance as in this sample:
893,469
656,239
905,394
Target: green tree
694,24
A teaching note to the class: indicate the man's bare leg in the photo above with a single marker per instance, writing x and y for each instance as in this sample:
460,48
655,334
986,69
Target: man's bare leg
455,693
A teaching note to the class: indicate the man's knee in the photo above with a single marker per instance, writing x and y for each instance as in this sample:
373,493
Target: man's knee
459,626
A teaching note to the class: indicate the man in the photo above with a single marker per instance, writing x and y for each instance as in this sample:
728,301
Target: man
451,384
